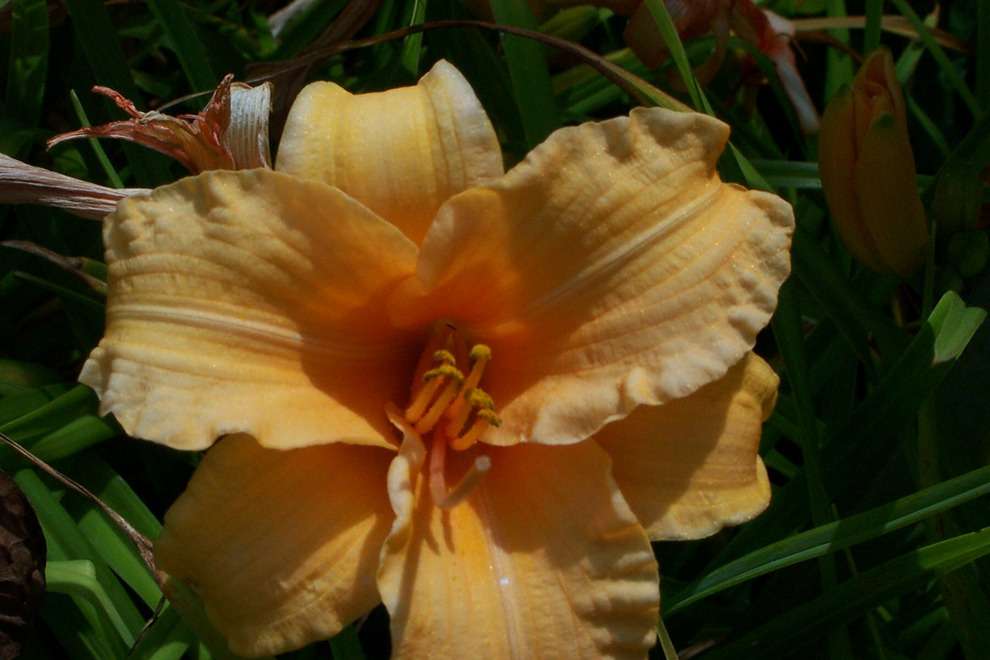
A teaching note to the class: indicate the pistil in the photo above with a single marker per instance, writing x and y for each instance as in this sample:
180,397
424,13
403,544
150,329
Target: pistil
442,497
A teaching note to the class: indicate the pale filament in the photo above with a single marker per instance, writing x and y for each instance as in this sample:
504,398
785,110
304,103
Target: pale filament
443,497
422,400
439,406
481,424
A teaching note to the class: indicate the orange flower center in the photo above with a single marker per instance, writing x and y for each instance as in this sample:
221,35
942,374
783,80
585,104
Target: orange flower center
452,408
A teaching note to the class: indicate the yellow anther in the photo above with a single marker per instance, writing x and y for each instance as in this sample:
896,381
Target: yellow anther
480,352
480,356
482,422
460,410
478,398
447,371
444,356
490,417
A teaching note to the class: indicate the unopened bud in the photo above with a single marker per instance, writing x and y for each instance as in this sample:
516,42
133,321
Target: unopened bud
868,173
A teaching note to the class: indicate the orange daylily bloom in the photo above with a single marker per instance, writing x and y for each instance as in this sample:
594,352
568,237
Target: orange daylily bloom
472,395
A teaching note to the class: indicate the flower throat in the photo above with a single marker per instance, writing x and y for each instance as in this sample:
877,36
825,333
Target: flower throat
452,408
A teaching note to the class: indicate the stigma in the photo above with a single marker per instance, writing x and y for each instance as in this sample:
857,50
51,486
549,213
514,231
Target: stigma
449,405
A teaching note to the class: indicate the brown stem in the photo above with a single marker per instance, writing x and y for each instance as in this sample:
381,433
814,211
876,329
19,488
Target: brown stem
612,72
74,265
140,541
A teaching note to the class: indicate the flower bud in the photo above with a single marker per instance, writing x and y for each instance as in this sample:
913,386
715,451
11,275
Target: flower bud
867,170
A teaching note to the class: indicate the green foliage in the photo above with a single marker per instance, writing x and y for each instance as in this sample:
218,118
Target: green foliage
877,536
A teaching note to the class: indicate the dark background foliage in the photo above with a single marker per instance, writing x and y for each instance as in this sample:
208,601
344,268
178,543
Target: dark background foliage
878,449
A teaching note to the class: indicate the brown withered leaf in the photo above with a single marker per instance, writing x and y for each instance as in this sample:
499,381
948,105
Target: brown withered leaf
21,183
22,567
196,141
231,132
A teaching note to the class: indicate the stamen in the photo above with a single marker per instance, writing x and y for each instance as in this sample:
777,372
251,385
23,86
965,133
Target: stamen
482,421
444,356
480,356
434,379
423,398
432,415
446,371
447,499
472,399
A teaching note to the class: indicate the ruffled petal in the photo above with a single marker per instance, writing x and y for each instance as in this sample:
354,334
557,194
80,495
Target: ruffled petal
251,302
402,152
281,546
543,560
690,466
611,268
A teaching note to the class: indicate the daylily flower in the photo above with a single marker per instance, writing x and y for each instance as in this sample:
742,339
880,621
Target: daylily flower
868,173
474,396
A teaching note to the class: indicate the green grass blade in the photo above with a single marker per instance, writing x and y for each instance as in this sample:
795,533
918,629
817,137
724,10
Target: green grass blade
117,551
412,46
983,52
572,23
958,185
167,638
181,35
477,59
851,599
79,628
787,331
929,126
101,155
836,536
874,14
106,59
673,42
789,174
65,542
528,71
306,26
870,437
27,374
114,546
117,494
79,434
839,67
50,416
854,318
28,65
78,578
948,70
956,324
